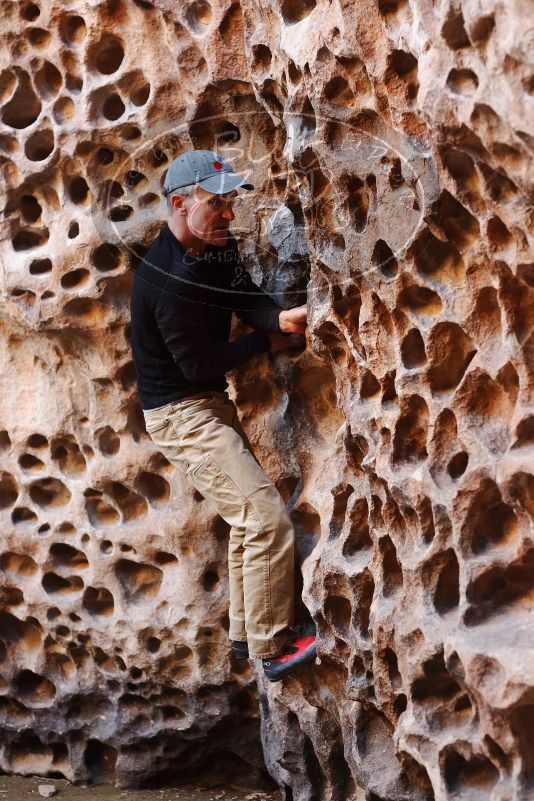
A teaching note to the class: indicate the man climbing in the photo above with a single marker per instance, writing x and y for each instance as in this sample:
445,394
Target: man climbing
184,293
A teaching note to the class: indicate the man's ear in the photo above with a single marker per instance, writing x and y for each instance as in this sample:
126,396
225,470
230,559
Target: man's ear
178,204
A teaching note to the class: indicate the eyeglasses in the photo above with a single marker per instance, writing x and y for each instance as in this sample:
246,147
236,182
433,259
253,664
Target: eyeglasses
220,203
215,202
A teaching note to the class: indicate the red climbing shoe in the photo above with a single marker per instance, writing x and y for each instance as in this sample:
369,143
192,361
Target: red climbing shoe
297,653
239,649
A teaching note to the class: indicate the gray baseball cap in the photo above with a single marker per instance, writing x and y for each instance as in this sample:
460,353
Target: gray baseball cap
206,169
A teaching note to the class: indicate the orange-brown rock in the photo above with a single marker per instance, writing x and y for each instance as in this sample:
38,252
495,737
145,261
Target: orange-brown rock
390,145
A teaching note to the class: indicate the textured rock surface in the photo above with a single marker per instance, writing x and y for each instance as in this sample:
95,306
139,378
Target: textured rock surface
388,142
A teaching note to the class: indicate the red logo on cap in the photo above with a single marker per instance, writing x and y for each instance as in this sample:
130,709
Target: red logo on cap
217,165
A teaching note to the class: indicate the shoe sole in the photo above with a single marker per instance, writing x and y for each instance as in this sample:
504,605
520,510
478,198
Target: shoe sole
309,657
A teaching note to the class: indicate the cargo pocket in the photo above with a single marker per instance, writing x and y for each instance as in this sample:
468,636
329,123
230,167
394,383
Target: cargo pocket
199,464
216,486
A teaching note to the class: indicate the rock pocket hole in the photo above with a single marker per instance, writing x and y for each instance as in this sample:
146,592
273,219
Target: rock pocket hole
338,92
29,238
210,579
84,310
524,433
402,73
64,555
58,585
420,300
453,30
437,259
40,266
294,72
120,213
73,83
140,582
100,760
501,189
358,537
450,351
469,777
357,202
34,689
384,259
482,29
227,133
30,208
154,487
132,505
106,257
64,110
134,179
38,37
104,155
447,592
75,278
20,565
101,513
30,11
459,225
500,587
48,80
139,96
148,200
153,644
37,441
24,107
39,145
413,352
72,29
113,107
296,10
198,16
113,191
498,234
30,463
338,612
411,431
261,57
370,386
165,559
108,441
462,169
49,492
98,601
107,55
79,190
392,578
462,82
458,465
494,522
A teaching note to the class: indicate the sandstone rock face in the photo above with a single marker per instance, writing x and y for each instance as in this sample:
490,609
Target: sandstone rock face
389,145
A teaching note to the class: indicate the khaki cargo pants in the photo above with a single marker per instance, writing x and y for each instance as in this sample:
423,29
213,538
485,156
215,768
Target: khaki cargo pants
202,436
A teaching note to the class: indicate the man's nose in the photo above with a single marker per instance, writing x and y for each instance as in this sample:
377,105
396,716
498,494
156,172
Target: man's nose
228,213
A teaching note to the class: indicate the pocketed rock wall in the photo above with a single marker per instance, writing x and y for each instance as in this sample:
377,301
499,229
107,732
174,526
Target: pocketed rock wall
388,142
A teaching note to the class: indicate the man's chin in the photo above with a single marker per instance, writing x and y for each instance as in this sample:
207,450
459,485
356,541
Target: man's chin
219,237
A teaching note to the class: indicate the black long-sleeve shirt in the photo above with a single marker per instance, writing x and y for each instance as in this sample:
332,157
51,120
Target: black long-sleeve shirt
181,310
